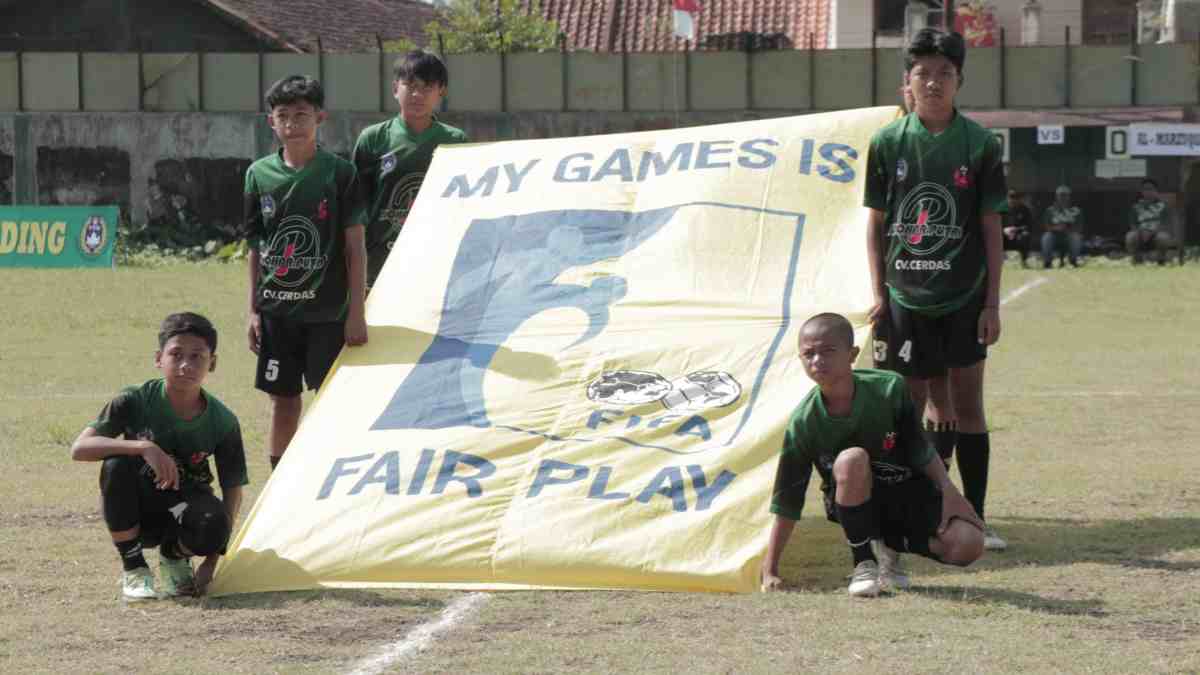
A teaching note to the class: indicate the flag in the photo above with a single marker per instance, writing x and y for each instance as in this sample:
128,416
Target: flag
685,12
582,362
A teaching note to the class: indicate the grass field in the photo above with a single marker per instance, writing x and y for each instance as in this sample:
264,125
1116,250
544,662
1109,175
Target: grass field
1094,402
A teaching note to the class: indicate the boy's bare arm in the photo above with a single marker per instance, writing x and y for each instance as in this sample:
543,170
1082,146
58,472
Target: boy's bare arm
231,499
875,262
91,446
356,281
254,321
781,531
993,247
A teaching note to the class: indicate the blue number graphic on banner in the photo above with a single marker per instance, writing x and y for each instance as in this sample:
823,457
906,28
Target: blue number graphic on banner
503,275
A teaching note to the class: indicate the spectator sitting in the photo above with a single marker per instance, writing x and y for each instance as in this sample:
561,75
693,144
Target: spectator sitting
1017,224
1063,223
1150,222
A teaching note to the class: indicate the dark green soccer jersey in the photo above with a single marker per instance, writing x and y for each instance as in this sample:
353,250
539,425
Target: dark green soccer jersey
144,413
882,421
933,190
297,219
391,163
1150,214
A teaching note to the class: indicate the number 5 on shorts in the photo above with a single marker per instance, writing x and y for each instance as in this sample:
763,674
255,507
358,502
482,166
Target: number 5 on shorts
905,351
272,370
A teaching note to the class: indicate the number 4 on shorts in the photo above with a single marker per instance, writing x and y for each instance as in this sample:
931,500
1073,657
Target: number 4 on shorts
905,351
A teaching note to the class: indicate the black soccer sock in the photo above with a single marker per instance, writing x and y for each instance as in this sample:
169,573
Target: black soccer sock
861,526
974,454
942,436
275,461
131,554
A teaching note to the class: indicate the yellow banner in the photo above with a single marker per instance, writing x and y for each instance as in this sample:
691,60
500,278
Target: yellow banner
581,360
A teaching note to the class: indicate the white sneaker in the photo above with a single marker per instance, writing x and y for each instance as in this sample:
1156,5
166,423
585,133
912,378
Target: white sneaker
993,541
892,575
138,585
864,583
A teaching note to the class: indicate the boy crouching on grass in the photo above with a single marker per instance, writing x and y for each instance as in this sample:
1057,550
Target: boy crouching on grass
883,483
154,441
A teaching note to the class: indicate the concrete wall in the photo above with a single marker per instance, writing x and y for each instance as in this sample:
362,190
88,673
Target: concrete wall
580,81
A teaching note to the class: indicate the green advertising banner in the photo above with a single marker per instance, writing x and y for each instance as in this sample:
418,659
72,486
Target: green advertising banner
57,236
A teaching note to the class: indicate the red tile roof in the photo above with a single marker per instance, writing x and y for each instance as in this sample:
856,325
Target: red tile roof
645,25
343,26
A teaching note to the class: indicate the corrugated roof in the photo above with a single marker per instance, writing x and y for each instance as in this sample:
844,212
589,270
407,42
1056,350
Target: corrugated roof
645,25
344,26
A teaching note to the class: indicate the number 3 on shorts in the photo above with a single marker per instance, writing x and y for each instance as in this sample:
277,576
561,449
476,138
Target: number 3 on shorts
272,370
905,351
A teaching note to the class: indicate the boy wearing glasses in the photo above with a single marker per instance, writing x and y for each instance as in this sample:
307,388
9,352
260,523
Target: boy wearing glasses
936,192
307,258
393,156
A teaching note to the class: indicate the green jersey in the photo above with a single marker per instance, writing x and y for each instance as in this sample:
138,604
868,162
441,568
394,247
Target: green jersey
391,163
144,413
882,421
1151,214
933,191
1062,218
297,218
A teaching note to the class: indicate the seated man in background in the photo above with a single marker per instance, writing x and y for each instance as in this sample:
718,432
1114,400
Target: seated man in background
1150,223
1063,223
1017,225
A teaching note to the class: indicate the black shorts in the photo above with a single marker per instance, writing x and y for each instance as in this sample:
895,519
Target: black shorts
916,345
129,498
909,513
290,350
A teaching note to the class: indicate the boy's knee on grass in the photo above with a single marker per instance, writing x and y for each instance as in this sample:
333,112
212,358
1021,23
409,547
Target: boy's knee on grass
962,543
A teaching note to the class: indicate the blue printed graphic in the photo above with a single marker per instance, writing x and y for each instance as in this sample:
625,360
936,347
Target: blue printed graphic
503,275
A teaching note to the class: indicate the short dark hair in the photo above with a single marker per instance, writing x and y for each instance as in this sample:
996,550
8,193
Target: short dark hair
188,323
420,65
296,89
835,323
933,42
1150,181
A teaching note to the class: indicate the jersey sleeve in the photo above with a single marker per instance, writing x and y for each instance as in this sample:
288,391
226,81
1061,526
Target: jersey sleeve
920,452
117,415
252,219
875,195
230,456
366,164
349,195
791,478
993,188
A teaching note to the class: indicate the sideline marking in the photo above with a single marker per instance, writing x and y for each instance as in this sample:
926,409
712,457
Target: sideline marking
419,638
1025,288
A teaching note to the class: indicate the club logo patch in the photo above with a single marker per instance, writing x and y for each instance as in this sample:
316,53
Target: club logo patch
388,164
901,170
962,178
93,236
268,206
294,253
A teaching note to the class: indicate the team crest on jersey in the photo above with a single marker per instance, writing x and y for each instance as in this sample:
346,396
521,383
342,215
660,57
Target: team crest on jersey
962,178
901,169
387,164
94,236
889,442
926,219
268,206
323,210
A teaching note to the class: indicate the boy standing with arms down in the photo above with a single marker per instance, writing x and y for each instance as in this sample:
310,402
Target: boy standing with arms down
154,442
307,259
393,156
882,481
936,191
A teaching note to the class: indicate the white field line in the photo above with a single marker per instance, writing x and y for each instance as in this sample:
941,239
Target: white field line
419,638
1025,288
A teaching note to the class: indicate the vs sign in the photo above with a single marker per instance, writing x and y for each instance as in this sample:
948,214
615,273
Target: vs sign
1051,134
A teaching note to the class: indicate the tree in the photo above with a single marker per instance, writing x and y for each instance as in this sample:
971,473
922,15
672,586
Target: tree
492,26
